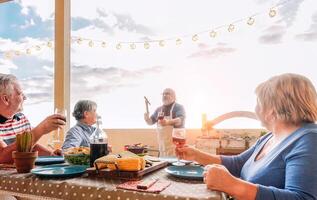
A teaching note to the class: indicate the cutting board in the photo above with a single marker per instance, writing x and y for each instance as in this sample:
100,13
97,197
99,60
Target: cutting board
127,175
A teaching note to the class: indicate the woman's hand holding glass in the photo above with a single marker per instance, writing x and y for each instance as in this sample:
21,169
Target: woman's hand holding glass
179,139
186,152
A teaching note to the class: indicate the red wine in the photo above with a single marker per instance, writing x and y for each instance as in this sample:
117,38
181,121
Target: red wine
160,117
97,151
179,142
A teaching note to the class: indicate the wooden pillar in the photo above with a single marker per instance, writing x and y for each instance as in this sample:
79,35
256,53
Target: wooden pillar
62,61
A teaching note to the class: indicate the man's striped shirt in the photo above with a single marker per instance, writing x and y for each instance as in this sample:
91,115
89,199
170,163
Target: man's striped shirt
9,128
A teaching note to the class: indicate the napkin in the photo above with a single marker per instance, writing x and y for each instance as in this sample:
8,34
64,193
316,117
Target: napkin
157,187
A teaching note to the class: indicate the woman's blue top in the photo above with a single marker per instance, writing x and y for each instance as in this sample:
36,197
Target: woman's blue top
287,172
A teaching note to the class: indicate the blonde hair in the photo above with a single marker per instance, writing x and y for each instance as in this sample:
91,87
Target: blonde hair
292,98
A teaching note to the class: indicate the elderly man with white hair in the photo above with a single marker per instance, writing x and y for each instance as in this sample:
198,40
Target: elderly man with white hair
13,121
168,116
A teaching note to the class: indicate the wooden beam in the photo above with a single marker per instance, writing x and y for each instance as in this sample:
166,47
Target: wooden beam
62,61
3,1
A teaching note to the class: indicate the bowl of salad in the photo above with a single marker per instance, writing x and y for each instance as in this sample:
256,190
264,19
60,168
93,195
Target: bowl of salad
77,155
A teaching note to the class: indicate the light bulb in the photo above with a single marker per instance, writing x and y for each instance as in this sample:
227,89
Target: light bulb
49,44
146,45
79,41
118,46
250,21
132,46
38,47
195,37
178,41
8,55
17,53
28,51
213,34
231,28
272,12
162,43
91,43
103,44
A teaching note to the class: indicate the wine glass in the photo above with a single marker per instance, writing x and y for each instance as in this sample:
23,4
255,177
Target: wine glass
179,139
160,115
57,134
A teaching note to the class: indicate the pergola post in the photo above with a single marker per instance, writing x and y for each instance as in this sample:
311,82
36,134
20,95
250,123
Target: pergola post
62,61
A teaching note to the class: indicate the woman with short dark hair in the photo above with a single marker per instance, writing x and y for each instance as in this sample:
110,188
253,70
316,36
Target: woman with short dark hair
86,116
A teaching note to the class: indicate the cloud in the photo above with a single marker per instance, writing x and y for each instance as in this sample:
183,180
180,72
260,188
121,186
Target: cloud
86,82
126,22
6,66
220,50
289,11
273,34
28,23
311,33
110,23
24,23
106,79
38,88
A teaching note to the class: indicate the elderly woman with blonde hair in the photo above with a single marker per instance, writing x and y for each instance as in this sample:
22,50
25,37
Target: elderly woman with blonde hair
283,163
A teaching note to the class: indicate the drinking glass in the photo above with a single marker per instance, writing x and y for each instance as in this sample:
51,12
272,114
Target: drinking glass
160,115
57,134
179,139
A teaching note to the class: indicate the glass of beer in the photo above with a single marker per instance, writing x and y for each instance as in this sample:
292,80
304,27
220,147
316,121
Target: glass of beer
179,139
57,137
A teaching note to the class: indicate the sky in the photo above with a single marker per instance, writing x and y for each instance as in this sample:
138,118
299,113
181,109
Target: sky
210,75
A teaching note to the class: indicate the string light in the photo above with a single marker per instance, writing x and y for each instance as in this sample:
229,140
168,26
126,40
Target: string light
79,41
49,44
178,41
213,34
161,43
8,55
195,38
231,28
146,45
132,46
272,12
250,21
119,46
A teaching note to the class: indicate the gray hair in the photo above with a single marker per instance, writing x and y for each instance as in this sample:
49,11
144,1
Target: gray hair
6,83
82,106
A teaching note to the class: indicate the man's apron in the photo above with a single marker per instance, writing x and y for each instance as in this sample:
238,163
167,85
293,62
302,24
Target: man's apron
164,136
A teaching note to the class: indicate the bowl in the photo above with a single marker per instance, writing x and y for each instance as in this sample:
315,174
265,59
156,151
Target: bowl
77,159
136,149
77,155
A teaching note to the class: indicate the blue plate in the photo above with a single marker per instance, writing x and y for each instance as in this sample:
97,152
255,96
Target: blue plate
191,172
59,171
48,160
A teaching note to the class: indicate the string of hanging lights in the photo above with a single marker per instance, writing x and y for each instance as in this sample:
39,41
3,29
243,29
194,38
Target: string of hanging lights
178,40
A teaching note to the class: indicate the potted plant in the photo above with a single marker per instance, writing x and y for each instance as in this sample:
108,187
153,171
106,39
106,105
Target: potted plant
24,158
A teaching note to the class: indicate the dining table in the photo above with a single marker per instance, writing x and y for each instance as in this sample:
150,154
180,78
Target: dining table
85,187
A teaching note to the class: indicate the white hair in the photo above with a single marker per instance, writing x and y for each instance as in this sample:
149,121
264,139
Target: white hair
6,83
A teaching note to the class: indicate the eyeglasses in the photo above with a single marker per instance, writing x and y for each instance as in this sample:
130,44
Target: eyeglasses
166,93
